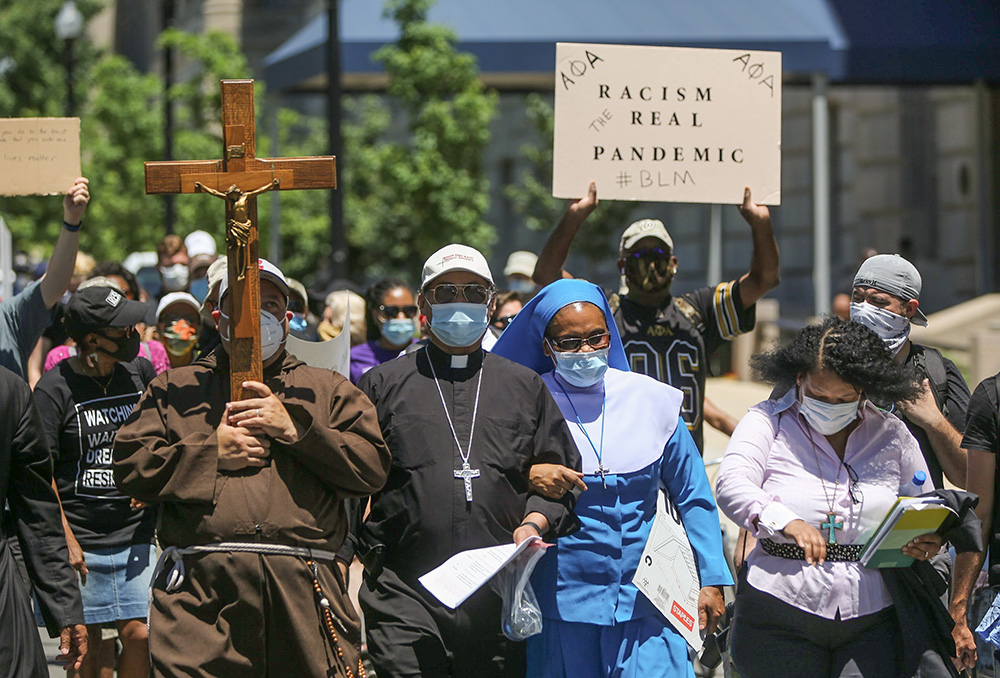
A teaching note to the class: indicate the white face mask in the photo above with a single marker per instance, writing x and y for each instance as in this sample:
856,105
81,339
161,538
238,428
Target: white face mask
272,335
828,418
175,277
892,328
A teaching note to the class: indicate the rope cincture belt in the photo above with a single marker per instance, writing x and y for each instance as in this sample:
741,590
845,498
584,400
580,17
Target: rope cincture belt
836,553
175,579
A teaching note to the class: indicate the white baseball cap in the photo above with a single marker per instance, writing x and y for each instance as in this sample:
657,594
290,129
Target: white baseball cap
176,298
268,271
455,257
200,242
521,263
645,228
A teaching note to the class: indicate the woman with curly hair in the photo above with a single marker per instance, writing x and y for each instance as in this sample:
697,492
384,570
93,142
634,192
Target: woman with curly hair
812,474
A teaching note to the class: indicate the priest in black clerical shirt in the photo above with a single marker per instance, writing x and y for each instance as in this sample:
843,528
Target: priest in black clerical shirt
463,427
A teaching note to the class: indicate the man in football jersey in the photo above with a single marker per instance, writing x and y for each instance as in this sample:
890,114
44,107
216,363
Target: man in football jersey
671,337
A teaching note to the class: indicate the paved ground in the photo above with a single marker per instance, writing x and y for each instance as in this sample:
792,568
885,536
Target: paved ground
51,650
735,397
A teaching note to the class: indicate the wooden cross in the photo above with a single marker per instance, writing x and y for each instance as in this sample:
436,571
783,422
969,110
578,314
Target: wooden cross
238,178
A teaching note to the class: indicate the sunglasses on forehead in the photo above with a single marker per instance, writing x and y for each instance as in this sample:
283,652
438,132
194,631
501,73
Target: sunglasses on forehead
394,311
448,293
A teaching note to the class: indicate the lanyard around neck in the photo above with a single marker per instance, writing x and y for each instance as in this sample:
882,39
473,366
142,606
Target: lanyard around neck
598,452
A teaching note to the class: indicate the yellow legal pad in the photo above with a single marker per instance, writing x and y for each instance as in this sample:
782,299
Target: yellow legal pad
908,518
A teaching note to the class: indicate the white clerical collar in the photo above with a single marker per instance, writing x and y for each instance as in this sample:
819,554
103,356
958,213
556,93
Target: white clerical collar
460,362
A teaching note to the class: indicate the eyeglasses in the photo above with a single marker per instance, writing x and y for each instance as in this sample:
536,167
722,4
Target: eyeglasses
505,320
394,311
857,496
296,306
448,293
651,253
576,343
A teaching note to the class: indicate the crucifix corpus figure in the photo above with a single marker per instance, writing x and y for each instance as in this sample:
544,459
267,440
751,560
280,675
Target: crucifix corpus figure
239,225
239,178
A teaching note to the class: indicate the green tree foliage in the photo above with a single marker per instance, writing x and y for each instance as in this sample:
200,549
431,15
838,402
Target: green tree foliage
532,196
122,126
33,84
405,198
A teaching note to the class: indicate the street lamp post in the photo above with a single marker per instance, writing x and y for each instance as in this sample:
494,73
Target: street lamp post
338,244
69,27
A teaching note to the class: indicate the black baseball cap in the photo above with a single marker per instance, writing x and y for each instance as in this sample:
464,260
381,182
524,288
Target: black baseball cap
98,307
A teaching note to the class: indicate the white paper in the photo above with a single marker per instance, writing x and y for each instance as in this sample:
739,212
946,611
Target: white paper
465,573
332,354
668,575
667,124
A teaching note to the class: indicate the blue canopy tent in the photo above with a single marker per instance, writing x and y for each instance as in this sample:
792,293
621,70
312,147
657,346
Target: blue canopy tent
822,41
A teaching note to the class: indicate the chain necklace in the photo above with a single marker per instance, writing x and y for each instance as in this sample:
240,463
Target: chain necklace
467,473
601,470
831,523
106,385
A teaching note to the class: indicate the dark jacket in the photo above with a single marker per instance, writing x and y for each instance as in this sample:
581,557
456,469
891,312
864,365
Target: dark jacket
924,621
26,484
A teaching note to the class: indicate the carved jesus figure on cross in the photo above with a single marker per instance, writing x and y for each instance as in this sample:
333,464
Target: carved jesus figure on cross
239,224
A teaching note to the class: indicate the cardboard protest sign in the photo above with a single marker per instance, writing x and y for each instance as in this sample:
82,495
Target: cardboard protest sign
667,124
38,156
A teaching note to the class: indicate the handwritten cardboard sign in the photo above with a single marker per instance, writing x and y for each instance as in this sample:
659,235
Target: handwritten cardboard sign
667,124
38,156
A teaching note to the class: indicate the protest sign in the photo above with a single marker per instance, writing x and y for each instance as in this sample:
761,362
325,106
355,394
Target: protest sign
39,156
667,124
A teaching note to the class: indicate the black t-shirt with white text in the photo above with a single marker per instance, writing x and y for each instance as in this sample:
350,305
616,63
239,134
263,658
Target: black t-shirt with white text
81,416
672,343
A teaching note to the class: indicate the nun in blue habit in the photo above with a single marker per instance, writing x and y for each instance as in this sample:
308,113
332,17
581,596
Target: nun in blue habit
633,441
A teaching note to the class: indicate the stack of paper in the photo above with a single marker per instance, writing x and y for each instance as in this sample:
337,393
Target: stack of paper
908,518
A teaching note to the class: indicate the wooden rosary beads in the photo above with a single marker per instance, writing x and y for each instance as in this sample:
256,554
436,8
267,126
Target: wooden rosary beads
328,619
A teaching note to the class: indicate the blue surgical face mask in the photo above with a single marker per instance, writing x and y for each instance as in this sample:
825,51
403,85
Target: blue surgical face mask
459,324
398,331
828,418
199,288
521,285
581,369
298,322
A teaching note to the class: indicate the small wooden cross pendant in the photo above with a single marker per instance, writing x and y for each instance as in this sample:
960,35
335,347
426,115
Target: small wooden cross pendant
467,474
831,524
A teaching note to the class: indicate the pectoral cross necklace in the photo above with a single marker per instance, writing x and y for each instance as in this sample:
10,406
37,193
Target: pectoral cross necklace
831,523
599,453
467,473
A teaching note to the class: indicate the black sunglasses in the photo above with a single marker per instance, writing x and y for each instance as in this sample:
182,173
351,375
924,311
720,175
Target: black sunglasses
857,496
651,253
448,293
576,343
394,311
505,320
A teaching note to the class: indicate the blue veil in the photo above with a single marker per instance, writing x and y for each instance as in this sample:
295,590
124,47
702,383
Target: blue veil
522,340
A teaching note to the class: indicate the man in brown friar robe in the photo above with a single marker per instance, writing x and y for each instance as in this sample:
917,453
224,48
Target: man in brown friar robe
251,497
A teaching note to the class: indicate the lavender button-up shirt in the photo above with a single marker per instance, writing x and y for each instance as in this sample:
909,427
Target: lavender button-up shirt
770,476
